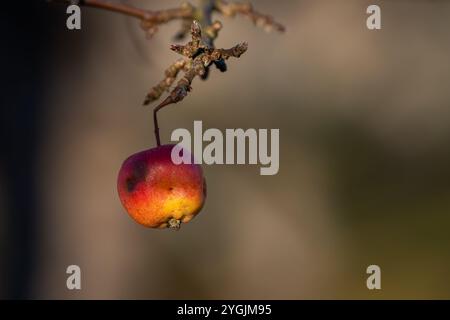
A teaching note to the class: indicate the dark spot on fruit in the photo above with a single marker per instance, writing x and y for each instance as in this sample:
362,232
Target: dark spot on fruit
204,187
171,189
131,184
138,175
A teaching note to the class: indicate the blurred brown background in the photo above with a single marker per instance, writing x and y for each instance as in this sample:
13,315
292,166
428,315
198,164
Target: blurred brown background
364,176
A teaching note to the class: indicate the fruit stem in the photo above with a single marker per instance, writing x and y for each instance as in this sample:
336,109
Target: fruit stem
174,224
169,100
155,122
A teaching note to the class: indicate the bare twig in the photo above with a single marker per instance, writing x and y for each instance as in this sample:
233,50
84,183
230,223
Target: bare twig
117,7
230,9
170,76
199,57
200,53
149,19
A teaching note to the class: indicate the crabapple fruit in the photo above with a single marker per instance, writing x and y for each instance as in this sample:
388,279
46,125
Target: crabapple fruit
156,192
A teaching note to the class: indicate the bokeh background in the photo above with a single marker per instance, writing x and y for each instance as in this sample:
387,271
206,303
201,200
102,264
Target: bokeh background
364,119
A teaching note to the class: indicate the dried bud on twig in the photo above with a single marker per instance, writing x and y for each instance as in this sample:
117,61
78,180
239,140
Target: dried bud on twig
200,57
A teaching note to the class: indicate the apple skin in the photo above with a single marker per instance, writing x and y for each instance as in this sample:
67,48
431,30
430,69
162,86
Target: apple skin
156,192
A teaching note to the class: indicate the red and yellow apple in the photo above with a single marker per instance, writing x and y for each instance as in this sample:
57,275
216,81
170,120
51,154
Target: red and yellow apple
156,192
